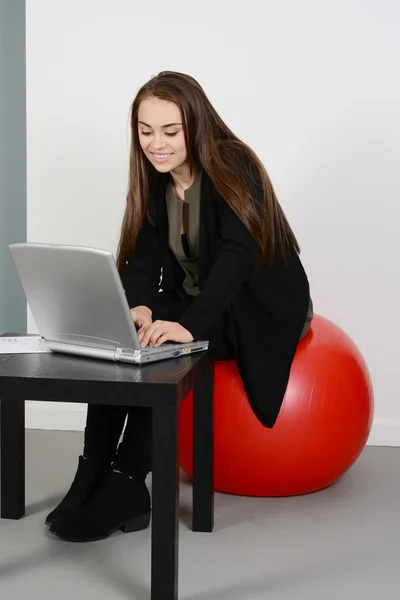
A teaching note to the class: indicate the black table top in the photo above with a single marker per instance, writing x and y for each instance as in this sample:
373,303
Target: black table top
48,374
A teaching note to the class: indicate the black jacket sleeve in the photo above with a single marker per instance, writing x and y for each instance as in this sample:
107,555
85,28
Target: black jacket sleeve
141,275
237,260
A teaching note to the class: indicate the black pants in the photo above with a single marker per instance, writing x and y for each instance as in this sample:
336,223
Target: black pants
104,424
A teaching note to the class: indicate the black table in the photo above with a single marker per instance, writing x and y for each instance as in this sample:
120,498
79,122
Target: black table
161,386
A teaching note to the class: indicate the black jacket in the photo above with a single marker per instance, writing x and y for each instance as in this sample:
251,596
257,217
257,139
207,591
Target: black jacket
264,308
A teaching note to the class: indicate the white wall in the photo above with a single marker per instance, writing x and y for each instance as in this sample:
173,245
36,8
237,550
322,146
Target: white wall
312,86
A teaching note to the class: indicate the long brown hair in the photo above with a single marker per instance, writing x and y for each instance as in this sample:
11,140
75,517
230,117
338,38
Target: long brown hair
211,145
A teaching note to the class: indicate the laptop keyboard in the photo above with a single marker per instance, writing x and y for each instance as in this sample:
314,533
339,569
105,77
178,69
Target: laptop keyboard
165,346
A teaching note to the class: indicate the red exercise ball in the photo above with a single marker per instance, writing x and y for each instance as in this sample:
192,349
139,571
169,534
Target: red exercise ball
321,429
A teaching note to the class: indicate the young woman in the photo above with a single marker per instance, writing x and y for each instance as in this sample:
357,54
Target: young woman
205,253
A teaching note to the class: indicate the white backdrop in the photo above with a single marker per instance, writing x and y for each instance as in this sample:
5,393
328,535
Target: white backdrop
312,86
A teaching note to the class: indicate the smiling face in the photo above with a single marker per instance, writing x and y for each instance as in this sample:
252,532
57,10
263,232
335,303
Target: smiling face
161,134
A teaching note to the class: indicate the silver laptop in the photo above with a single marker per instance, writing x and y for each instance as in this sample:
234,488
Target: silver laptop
79,304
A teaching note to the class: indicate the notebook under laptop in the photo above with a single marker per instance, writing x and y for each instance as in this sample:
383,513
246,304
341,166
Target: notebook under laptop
79,304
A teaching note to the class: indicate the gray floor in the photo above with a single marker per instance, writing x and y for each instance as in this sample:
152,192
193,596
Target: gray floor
340,543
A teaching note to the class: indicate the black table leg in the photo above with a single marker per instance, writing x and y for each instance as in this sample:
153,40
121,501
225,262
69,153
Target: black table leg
165,503
12,424
203,457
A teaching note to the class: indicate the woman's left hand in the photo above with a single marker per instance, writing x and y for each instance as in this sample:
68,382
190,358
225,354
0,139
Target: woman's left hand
163,331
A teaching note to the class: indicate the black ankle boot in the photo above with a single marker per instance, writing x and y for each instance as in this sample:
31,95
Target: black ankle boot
87,479
120,502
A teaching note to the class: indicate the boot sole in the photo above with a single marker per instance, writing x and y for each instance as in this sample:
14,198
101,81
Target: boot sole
135,524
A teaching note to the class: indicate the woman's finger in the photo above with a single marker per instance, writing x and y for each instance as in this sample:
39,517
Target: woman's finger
149,333
159,331
163,338
145,337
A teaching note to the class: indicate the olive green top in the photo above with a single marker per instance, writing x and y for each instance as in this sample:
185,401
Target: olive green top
186,246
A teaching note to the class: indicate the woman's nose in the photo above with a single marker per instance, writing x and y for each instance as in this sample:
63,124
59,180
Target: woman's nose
159,144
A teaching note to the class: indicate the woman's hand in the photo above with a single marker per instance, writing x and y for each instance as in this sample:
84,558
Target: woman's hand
162,331
141,316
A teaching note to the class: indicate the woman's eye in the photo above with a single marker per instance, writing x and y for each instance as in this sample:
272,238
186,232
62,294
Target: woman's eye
169,134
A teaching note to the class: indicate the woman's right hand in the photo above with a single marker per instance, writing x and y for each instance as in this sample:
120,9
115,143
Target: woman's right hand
141,316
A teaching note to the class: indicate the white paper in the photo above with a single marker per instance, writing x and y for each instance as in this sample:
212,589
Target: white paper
21,345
